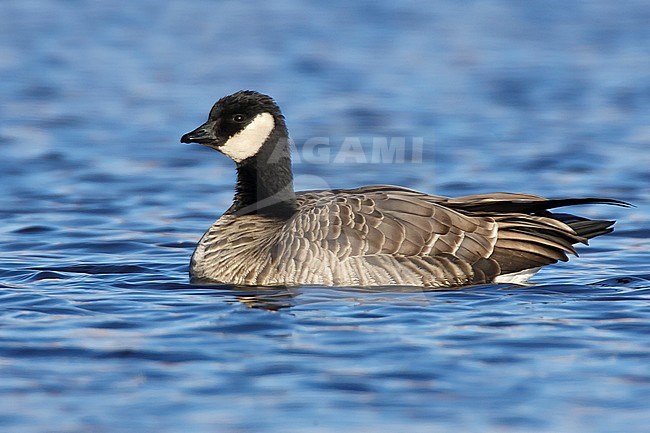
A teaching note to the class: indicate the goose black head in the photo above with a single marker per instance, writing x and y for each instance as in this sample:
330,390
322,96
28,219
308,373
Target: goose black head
239,125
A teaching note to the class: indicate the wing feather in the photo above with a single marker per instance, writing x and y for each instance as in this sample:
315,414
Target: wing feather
384,233
379,228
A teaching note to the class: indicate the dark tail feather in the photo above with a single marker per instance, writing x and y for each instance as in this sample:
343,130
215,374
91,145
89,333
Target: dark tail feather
554,203
585,227
532,206
591,228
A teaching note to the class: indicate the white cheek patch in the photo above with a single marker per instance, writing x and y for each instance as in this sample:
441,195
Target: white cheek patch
248,141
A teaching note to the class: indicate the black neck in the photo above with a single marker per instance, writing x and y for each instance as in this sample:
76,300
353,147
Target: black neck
265,182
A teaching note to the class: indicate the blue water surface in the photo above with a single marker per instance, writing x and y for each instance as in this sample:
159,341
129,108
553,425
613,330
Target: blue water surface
100,328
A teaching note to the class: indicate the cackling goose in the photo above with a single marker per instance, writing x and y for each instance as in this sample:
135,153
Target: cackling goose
370,236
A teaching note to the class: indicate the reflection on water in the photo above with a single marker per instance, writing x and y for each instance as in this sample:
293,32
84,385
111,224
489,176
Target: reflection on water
275,298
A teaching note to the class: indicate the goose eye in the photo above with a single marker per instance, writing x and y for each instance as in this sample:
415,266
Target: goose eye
238,118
